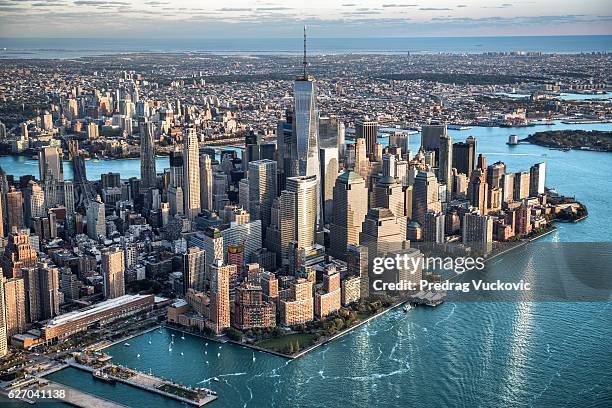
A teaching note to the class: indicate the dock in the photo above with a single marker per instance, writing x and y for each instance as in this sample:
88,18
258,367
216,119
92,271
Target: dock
199,397
429,298
75,397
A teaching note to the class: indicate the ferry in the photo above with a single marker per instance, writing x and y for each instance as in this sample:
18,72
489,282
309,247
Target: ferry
458,127
99,375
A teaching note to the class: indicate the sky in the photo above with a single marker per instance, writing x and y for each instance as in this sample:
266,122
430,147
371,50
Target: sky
285,18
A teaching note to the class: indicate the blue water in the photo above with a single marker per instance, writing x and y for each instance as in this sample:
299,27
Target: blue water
77,47
519,354
565,96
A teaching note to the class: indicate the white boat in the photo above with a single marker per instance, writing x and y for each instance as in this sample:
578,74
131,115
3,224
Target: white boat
215,379
183,337
407,307
182,353
138,356
126,344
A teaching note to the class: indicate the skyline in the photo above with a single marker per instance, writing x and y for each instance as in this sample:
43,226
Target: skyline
112,19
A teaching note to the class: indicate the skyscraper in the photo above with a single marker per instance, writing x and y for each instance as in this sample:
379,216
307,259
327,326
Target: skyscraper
50,164
425,196
113,267
262,190
15,305
478,191
537,179
433,228
194,269
220,295
96,219
350,208
191,173
49,291
148,175
329,173
477,230
464,156
14,210
431,136
304,190
206,182
17,254
521,185
306,131
367,130
445,165
3,332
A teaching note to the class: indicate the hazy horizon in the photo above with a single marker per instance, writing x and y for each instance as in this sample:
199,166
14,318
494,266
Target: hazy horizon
175,19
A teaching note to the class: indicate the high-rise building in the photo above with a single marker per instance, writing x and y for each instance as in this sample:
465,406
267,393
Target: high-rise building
445,165
431,135
304,190
50,164
49,291
15,306
478,191
92,131
357,265
367,130
194,269
3,328
18,253
14,209
537,179
495,174
191,173
507,187
262,190
113,267
220,295
148,175
425,196
250,310
388,191
350,208
477,230
328,298
306,132
464,156
433,228
329,172
34,200
382,232
206,182
521,185
299,309
96,219
362,164
255,148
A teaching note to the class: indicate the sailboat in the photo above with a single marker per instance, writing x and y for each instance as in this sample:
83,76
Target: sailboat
253,356
183,337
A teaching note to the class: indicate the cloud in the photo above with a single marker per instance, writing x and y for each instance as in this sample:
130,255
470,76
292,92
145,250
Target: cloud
398,5
349,5
273,8
235,9
435,9
100,3
156,3
461,5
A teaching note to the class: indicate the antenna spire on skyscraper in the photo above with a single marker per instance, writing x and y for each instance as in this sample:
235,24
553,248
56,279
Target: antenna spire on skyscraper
305,63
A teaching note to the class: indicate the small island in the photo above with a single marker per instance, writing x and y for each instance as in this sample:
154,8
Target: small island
594,140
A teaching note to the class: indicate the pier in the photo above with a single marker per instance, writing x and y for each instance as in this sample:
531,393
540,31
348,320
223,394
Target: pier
196,397
74,397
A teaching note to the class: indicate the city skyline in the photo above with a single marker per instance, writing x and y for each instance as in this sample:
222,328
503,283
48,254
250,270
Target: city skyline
112,19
